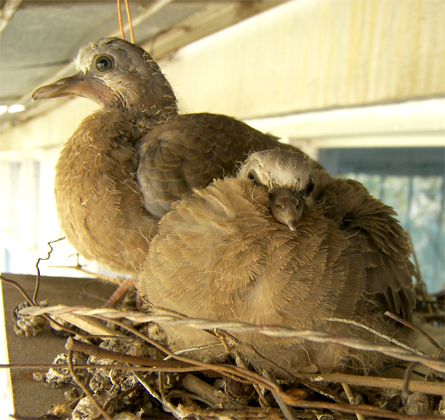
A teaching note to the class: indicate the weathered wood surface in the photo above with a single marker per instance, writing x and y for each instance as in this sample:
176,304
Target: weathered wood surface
31,398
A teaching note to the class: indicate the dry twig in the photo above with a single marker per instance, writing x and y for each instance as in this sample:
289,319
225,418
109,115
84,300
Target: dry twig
51,249
84,388
415,328
275,331
351,399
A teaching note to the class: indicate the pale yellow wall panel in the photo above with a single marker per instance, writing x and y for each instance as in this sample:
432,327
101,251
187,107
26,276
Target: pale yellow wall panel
316,54
49,130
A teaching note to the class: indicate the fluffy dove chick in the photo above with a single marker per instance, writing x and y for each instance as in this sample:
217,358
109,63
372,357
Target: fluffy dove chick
328,249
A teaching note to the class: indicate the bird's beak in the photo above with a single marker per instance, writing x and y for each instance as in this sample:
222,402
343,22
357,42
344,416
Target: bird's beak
77,85
287,207
292,212
69,86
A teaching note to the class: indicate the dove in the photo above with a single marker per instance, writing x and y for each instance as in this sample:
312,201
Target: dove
119,172
329,250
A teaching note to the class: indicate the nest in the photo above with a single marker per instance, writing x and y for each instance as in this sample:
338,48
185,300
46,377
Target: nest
121,368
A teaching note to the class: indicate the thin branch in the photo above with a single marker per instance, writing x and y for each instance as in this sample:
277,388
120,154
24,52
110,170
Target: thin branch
378,333
197,348
415,328
212,397
364,409
351,399
20,289
42,367
155,395
51,249
261,398
242,327
287,411
435,388
84,388
95,351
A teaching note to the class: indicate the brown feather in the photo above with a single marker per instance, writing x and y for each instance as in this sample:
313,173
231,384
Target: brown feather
126,163
220,255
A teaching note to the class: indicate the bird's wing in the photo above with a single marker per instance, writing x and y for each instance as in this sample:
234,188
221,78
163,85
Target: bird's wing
220,254
189,151
378,235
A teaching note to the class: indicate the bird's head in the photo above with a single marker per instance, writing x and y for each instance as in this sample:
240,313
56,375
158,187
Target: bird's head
115,74
291,179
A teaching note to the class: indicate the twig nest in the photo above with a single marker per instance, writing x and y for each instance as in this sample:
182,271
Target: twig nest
27,325
115,381
57,377
417,404
85,409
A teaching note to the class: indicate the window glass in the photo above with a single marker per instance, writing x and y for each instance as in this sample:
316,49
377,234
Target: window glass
411,180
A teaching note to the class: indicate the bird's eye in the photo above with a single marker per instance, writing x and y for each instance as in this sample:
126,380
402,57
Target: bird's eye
310,186
104,63
252,176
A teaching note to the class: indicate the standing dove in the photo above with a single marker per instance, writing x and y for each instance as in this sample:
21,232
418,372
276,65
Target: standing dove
282,244
126,163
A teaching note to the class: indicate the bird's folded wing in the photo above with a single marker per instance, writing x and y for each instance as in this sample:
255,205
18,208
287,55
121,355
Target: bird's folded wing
189,151
385,245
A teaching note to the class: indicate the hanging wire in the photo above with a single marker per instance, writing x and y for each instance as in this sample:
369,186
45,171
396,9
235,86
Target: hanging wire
121,26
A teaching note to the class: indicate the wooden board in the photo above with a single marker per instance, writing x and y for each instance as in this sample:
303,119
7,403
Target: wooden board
31,398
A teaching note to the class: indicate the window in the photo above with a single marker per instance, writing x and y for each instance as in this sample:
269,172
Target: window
411,180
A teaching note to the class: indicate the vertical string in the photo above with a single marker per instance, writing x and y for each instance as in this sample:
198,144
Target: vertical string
129,21
121,26
119,14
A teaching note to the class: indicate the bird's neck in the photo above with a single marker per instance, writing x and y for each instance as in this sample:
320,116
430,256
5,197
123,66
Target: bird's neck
144,101
149,116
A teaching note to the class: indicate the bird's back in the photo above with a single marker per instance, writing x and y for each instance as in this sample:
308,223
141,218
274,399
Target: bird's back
189,151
